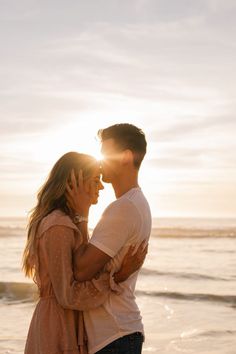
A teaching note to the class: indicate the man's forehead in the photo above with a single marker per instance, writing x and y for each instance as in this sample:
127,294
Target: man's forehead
108,145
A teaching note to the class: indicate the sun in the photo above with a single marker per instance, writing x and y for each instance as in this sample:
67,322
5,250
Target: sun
74,136
47,148
80,138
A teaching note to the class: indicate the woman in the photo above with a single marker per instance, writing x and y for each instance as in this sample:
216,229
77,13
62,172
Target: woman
54,242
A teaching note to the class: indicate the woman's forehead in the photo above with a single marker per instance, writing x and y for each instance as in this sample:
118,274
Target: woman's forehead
97,171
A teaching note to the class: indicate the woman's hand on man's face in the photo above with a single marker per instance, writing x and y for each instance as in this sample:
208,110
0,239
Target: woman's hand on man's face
78,200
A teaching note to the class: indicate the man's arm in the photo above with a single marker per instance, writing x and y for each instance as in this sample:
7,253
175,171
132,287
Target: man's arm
109,236
90,262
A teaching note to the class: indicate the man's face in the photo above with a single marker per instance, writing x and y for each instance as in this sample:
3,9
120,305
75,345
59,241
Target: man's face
111,163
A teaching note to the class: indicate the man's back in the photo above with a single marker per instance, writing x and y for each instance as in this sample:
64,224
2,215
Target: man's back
125,222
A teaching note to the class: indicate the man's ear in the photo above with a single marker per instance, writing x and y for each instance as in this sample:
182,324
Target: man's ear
128,157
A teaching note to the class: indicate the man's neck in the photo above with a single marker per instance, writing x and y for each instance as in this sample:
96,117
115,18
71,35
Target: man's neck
122,186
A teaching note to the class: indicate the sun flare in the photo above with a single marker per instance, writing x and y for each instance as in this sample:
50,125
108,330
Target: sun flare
71,137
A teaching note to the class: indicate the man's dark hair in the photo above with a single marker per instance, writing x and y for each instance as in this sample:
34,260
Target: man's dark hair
127,136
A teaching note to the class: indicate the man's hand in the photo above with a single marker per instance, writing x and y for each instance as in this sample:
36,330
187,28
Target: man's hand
131,262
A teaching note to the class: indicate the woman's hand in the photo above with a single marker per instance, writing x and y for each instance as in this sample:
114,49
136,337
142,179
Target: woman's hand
131,262
78,200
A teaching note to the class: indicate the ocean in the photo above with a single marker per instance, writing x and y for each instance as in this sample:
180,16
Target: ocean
186,290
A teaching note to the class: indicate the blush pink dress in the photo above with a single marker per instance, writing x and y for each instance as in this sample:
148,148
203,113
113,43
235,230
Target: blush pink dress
57,324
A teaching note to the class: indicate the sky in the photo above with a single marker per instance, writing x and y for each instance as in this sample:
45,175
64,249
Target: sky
69,68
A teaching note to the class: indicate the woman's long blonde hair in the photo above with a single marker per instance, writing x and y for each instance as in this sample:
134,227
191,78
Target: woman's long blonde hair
51,196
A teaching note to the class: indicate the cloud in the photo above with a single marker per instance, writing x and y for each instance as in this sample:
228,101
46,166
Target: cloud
198,144
199,127
201,158
168,66
19,167
65,57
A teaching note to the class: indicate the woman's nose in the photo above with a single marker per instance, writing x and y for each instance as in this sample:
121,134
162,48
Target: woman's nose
101,186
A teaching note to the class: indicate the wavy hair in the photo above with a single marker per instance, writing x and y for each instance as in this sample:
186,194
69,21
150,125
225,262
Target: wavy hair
51,196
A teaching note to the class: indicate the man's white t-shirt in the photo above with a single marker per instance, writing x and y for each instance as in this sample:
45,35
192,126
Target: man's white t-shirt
125,222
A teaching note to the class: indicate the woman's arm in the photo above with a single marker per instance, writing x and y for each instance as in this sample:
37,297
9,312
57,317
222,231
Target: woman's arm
132,262
59,242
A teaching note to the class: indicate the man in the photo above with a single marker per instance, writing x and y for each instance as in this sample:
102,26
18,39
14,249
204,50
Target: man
116,326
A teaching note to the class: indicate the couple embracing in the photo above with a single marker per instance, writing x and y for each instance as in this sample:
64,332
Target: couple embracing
86,285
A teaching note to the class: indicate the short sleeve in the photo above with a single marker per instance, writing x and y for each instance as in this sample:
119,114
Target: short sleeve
116,227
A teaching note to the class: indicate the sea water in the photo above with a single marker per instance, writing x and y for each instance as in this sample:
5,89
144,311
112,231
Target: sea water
186,290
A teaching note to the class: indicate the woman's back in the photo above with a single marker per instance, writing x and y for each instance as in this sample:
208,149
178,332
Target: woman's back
56,327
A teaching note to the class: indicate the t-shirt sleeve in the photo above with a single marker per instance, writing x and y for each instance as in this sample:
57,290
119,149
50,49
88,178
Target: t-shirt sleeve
116,227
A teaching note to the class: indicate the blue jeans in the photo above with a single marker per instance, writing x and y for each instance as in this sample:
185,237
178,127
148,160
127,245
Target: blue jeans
130,344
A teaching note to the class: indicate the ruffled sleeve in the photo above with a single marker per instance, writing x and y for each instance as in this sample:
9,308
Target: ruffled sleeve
59,242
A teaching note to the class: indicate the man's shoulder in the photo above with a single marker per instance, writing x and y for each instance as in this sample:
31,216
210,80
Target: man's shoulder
122,204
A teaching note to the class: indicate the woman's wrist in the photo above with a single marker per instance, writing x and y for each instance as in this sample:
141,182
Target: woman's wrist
78,218
83,228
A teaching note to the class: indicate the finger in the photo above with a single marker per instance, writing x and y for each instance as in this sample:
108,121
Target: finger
81,180
131,247
69,190
127,256
140,248
142,255
130,251
73,180
144,250
143,244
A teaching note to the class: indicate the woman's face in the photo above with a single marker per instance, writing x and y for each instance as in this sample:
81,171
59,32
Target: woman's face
93,185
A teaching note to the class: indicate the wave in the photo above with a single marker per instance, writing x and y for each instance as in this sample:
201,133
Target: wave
225,299
217,333
186,232
22,292
9,231
194,333
183,275
174,232
27,292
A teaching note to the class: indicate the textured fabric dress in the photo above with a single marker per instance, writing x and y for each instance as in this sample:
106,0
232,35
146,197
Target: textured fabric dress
56,327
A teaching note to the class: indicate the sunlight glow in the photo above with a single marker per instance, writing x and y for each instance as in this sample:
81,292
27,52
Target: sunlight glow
75,136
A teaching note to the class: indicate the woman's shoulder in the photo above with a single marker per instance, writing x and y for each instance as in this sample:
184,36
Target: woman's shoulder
55,218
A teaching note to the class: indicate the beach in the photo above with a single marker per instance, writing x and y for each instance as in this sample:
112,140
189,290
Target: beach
186,290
